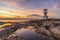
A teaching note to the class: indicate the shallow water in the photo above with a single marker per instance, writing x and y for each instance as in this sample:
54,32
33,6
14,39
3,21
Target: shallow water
30,34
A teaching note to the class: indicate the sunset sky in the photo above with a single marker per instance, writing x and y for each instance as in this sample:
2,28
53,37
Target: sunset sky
24,8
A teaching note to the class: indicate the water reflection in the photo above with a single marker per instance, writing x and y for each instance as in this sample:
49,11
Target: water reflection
29,34
6,24
14,31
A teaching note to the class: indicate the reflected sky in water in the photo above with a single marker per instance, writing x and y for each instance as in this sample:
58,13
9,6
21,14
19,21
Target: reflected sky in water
29,34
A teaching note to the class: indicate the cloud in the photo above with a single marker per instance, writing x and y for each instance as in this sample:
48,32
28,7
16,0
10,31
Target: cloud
34,15
55,6
11,8
23,8
39,13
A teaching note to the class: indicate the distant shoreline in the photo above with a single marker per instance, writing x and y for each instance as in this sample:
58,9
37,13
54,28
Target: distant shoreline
12,20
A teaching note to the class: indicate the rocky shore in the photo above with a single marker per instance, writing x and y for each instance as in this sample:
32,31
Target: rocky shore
47,31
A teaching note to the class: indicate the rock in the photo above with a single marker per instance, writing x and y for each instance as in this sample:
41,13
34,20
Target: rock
15,37
43,30
55,32
9,30
51,32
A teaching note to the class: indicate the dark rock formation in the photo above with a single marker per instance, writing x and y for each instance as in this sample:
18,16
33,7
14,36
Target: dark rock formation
9,30
51,32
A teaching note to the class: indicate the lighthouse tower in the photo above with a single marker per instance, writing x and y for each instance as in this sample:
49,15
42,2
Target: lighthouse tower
45,14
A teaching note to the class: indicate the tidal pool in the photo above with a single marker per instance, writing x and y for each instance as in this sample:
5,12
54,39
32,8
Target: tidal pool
30,34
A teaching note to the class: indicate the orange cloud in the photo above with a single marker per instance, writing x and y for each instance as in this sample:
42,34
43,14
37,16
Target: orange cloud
19,11
12,14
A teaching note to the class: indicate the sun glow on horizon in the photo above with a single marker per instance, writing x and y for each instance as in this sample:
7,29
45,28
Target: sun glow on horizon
8,14
24,8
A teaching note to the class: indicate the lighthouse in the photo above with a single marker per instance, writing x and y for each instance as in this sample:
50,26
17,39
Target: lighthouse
45,14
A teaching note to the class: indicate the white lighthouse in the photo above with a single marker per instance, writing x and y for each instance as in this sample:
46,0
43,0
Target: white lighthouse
45,14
